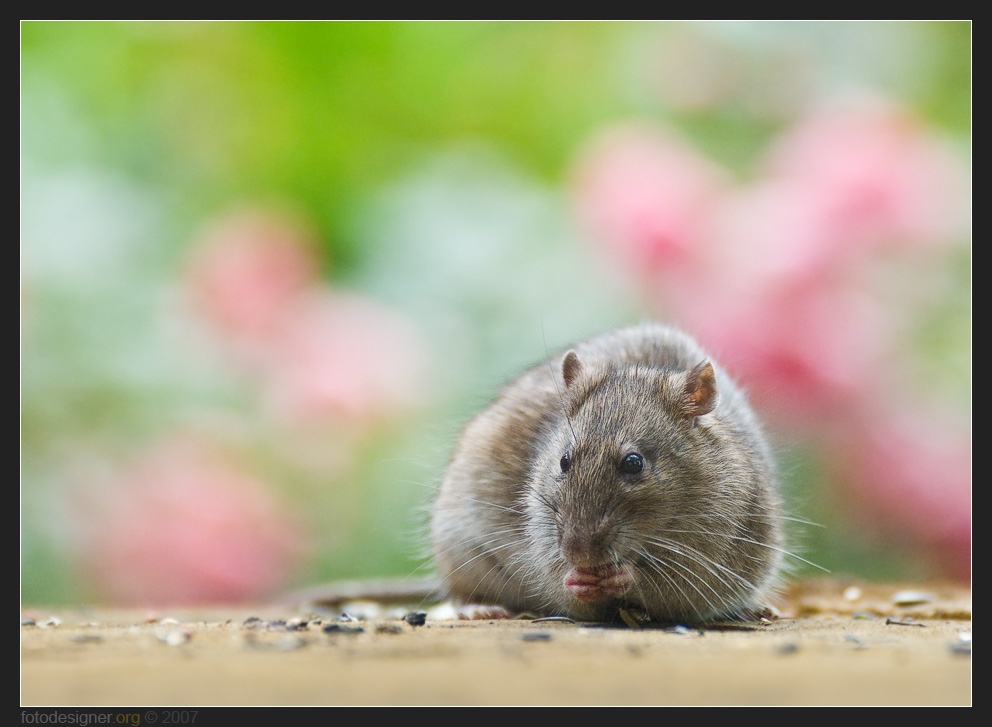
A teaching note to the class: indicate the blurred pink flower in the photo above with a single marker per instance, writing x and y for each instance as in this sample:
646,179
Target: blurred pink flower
246,268
648,197
911,471
185,524
767,273
771,235
804,353
315,353
881,177
338,355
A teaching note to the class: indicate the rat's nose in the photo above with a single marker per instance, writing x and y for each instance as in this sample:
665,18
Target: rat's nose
585,546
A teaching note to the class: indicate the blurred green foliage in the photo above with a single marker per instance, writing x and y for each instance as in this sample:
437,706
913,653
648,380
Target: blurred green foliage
320,112
326,112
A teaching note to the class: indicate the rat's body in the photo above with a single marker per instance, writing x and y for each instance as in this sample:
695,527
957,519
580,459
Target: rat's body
626,473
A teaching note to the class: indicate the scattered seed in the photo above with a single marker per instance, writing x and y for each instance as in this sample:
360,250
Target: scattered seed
897,622
86,638
28,622
290,642
686,631
766,614
789,648
852,593
262,624
629,619
868,615
536,636
336,628
285,642
416,618
859,645
911,598
957,647
961,645
173,636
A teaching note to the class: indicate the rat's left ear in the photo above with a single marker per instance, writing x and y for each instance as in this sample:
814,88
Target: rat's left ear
700,391
571,368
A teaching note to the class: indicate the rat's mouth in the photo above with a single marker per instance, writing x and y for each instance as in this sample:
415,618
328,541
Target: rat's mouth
602,581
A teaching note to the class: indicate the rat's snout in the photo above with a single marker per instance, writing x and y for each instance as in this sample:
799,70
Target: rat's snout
594,573
585,546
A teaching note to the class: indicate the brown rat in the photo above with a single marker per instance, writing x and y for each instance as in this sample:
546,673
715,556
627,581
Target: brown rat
626,473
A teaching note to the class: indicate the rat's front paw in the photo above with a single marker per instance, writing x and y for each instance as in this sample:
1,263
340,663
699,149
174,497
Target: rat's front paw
483,612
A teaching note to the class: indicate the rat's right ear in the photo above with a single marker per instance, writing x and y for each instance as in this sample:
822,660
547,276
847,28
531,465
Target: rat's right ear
700,393
571,368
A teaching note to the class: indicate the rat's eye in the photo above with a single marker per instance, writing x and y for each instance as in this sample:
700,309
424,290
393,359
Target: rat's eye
566,462
632,464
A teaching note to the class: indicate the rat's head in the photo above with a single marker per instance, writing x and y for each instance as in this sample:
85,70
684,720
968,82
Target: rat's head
629,487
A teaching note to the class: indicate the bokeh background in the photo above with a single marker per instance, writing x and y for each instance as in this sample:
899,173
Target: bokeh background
268,269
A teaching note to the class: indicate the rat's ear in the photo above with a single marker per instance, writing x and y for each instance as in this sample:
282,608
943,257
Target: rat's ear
701,395
571,368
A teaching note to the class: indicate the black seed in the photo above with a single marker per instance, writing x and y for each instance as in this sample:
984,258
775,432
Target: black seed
342,629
